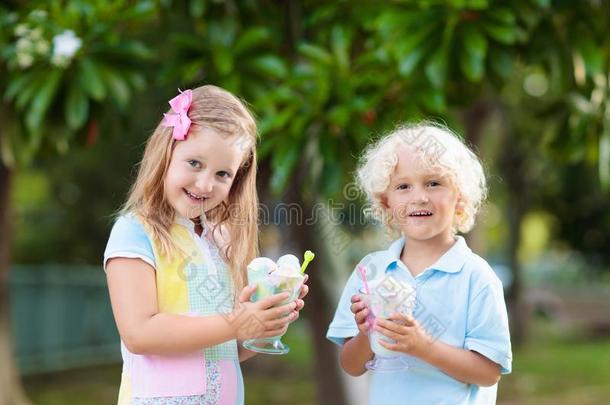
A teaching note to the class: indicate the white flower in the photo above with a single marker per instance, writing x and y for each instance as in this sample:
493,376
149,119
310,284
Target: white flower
23,45
21,30
42,47
65,45
24,60
36,34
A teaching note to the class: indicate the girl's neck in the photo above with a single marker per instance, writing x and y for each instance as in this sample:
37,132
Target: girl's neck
419,255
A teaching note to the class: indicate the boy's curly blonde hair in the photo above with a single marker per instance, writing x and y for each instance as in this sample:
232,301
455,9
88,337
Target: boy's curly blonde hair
438,149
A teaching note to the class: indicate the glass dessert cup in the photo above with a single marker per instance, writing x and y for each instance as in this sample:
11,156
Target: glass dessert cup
266,287
385,360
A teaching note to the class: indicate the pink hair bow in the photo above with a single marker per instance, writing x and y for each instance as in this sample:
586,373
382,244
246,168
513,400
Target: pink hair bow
179,119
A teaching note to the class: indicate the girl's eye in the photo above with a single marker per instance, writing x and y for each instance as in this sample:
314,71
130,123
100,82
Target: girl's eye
223,174
194,163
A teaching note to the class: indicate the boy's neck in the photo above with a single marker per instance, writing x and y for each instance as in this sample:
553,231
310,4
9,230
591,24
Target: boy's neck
419,255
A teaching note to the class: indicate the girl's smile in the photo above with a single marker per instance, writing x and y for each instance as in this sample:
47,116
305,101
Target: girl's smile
201,172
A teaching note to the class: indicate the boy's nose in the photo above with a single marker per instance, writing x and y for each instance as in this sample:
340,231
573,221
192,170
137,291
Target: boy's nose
421,196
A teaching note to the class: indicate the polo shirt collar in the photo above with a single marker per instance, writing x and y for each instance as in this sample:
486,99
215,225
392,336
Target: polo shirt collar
451,262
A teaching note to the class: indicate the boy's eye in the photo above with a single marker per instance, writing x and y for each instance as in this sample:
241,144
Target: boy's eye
434,183
194,163
223,174
402,187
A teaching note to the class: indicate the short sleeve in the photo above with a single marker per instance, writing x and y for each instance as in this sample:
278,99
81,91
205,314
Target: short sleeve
129,239
487,326
343,324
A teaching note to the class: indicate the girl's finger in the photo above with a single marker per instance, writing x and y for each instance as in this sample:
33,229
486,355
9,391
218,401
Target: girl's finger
304,291
279,312
273,300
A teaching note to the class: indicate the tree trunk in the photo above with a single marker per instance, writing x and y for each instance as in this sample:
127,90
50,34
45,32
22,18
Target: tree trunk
11,392
513,168
319,308
474,120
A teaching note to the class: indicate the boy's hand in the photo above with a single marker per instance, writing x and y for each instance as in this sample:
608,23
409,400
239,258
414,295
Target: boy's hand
410,337
360,311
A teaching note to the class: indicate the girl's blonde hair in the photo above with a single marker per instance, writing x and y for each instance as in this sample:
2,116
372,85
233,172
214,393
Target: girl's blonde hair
438,148
219,110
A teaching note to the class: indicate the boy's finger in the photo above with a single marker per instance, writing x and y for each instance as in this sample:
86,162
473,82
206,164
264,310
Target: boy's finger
356,298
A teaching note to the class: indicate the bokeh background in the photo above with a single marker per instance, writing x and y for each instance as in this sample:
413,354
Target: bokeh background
525,82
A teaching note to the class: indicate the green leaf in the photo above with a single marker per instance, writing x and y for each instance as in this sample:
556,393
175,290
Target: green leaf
332,177
503,15
340,46
269,65
76,107
197,8
474,41
252,38
434,100
501,33
117,86
42,100
436,69
339,115
91,79
283,161
407,64
472,60
28,91
223,60
501,62
16,85
593,56
316,53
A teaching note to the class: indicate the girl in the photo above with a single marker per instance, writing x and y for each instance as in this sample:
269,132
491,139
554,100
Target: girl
176,257
428,185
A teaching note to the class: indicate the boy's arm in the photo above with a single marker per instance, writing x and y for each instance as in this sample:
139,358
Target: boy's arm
464,365
354,354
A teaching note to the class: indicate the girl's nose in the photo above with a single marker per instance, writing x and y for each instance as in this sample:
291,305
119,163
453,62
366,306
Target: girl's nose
204,184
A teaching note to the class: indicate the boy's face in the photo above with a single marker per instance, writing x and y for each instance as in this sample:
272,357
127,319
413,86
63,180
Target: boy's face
421,200
201,172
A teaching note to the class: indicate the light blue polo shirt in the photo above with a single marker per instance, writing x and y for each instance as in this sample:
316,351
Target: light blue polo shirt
459,301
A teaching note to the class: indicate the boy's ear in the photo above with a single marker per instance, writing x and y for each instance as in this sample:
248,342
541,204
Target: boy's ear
383,201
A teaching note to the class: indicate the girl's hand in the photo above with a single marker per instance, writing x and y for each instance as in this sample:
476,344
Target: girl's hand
410,337
300,303
360,311
265,318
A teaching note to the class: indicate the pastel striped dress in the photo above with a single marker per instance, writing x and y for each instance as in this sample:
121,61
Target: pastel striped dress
198,285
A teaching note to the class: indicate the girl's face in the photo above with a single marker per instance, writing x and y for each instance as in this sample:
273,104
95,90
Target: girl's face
421,200
201,172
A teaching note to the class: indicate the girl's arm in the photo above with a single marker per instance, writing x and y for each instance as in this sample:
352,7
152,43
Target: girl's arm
464,365
145,330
